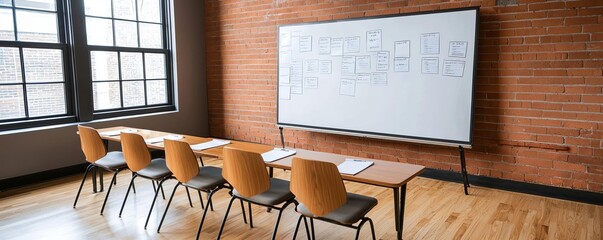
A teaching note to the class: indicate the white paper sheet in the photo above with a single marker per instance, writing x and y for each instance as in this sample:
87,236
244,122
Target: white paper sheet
160,139
276,154
353,166
117,132
211,144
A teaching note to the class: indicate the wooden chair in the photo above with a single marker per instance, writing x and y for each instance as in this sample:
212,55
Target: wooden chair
247,174
96,154
139,161
182,162
321,194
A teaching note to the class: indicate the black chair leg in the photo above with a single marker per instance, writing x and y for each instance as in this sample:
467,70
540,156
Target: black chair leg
372,228
188,194
297,226
223,221
153,202
127,193
167,207
162,193
210,194
211,205
250,215
360,227
82,184
201,200
109,190
133,187
307,228
243,211
278,219
312,228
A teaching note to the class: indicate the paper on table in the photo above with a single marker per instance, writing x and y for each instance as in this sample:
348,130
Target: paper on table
353,166
276,154
160,139
117,132
211,144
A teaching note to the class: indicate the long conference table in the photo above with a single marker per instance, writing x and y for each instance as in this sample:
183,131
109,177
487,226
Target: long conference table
387,174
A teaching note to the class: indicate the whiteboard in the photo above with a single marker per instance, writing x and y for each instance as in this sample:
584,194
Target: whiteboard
403,77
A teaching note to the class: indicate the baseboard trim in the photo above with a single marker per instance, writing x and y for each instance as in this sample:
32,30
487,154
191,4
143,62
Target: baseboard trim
516,186
34,178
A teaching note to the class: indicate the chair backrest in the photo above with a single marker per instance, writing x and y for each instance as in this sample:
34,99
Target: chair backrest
181,160
92,145
317,185
135,151
245,171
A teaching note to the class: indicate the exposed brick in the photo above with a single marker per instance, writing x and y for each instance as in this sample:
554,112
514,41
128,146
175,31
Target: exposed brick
538,90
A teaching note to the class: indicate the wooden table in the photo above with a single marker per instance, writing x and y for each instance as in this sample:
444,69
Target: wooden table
388,174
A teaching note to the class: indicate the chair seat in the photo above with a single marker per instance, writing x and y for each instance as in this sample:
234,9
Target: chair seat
157,169
356,207
112,161
278,193
208,178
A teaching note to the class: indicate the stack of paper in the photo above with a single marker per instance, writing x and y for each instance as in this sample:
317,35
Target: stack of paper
276,154
211,144
117,132
353,166
160,139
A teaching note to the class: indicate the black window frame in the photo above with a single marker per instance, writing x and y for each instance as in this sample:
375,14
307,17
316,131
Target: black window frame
71,22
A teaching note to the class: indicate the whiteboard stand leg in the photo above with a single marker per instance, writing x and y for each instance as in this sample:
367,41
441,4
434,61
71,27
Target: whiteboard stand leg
464,170
282,137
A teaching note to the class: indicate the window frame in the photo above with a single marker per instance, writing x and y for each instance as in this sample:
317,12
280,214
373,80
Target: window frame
77,67
61,44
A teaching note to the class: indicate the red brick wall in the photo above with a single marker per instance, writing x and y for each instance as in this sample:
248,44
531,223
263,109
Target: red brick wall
538,103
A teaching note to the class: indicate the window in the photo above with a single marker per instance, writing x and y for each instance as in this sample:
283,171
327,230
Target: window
127,53
32,53
112,59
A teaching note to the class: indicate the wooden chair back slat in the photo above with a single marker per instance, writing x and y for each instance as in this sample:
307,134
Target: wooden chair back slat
135,151
91,143
181,160
245,171
317,185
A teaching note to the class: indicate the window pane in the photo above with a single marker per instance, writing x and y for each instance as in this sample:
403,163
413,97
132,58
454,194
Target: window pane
100,8
154,65
149,11
10,65
37,4
126,34
133,92
5,3
46,99
124,9
43,65
157,92
104,65
131,66
37,26
99,31
7,27
150,35
106,95
11,102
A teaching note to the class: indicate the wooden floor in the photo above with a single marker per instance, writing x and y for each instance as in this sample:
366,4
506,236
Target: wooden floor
434,210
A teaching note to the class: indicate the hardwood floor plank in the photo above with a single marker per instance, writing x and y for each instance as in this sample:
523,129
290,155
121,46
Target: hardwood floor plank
434,210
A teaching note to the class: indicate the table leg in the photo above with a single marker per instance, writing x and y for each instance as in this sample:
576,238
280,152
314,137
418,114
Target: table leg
397,208
94,179
271,171
401,214
100,179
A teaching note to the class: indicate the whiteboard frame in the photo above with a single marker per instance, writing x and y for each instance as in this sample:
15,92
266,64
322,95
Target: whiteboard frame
385,136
